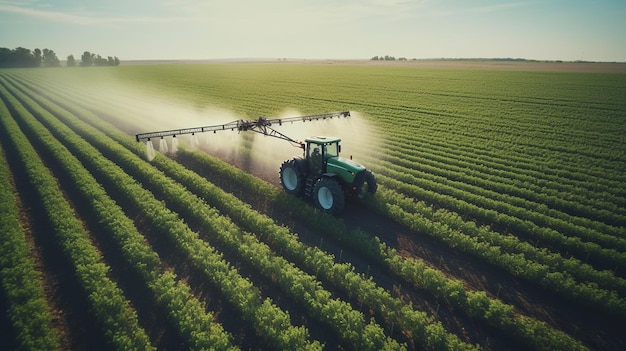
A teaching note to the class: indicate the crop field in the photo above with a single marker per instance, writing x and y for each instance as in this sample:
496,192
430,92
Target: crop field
499,222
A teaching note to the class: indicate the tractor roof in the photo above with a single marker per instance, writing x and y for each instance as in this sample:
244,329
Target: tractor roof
322,139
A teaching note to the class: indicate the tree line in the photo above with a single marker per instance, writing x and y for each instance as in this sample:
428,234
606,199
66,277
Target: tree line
22,57
387,58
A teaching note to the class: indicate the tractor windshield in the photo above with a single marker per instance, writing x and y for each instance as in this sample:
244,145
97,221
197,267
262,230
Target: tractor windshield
331,150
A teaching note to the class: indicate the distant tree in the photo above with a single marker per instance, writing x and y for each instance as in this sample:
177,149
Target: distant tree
386,58
71,62
113,61
23,57
92,59
5,57
37,58
100,61
87,59
50,59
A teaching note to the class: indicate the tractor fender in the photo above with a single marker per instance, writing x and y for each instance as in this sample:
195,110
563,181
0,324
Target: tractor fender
301,163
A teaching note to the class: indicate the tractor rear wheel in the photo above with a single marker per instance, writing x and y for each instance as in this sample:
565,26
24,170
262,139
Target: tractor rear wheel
291,178
328,196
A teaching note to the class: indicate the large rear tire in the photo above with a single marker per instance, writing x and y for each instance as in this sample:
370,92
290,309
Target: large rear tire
291,178
328,196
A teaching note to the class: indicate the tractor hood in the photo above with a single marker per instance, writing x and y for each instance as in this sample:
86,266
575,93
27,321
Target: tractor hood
339,164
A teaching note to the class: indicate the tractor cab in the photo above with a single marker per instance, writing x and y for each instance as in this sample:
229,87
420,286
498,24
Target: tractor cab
319,150
322,154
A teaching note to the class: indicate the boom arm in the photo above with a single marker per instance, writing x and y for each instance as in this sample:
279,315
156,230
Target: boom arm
261,125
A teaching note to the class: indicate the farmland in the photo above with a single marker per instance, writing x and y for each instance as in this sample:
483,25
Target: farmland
499,222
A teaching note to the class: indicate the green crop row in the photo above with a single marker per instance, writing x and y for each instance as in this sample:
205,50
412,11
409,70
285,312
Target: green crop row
271,323
342,276
457,184
111,309
293,280
435,282
437,129
411,213
539,174
194,324
522,324
266,101
577,208
526,329
528,231
417,324
27,307
526,137
448,147
512,246
525,159
348,323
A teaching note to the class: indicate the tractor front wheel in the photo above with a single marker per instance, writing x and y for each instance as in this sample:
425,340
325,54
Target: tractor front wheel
328,196
291,178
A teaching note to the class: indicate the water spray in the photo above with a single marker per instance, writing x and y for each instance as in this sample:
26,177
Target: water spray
149,150
174,145
194,141
163,146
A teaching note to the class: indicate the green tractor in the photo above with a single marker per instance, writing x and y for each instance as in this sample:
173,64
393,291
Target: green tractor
320,174
324,176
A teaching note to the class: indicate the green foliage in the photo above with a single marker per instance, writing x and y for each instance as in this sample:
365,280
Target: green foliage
111,309
523,170
188,313
28,309
240,291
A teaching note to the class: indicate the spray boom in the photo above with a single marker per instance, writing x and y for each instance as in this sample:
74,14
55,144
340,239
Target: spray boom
319,174
262,125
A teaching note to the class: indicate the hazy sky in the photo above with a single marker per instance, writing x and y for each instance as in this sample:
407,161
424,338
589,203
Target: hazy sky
320,29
